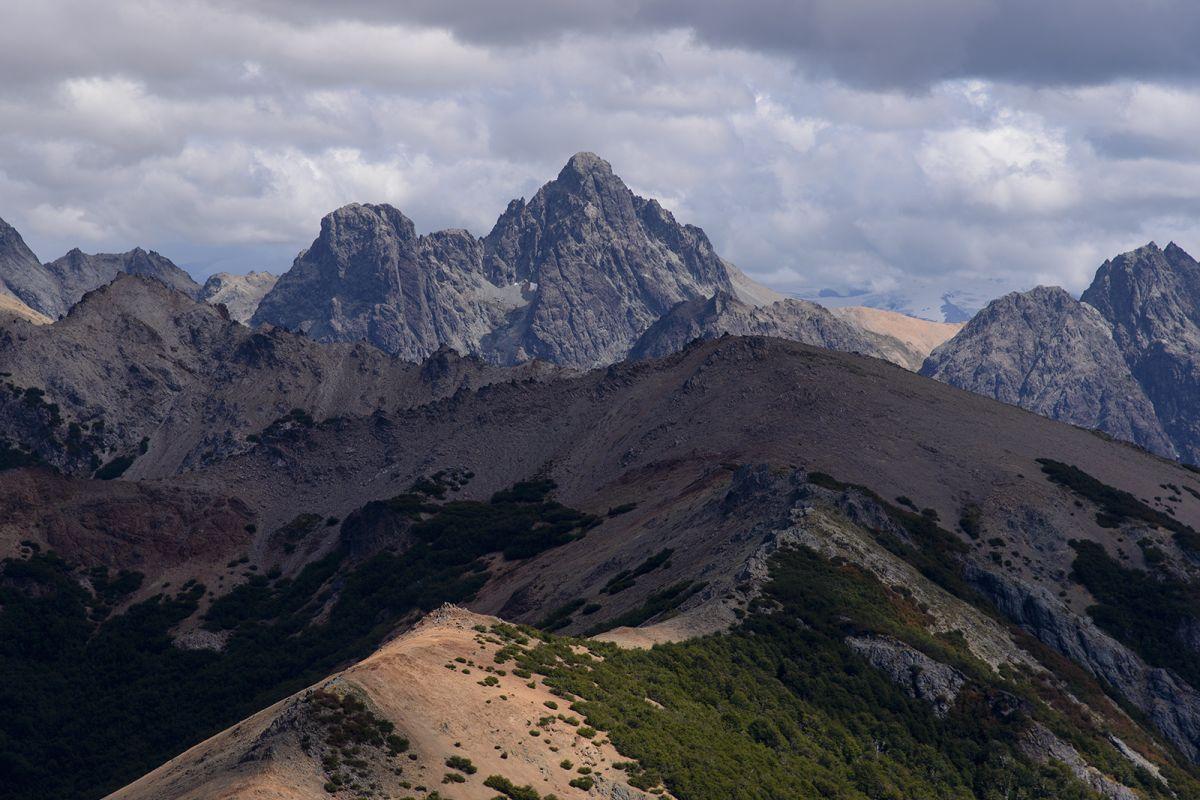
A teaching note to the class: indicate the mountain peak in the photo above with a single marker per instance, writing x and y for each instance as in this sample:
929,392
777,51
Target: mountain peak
586,163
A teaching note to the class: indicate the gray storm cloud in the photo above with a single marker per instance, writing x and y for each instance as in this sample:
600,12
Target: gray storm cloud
852,146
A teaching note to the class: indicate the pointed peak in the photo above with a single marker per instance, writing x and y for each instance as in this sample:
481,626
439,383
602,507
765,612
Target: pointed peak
585,163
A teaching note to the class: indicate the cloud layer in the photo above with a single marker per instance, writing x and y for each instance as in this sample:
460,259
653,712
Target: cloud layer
840,145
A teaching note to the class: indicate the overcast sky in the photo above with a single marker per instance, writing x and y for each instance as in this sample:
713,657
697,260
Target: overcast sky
841,144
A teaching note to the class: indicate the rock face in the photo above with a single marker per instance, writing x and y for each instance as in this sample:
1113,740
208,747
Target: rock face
1125,360
51,289
240,294
916,673
574,276
607,265
24,277
369,276
78,273
1049,353
1170,703
798,320
1151,298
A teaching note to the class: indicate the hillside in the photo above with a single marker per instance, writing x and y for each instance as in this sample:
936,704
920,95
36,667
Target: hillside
663,493
147,379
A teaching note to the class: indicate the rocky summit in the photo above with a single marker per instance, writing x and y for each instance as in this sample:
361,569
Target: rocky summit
1046,351
1151,298
574,276
1124,359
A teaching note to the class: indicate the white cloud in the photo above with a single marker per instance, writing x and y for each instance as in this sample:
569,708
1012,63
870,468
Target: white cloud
201,126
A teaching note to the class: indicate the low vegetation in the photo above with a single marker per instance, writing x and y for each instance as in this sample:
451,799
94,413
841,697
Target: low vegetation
1117,506
781,707
1147,613
89,705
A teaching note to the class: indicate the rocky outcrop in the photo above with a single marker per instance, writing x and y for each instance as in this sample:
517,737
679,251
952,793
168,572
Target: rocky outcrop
240,294
1170,704
78,273
370,277
798,320
1051,354
607,264
1151,298
573,276
24,277
1040,744
51,289
918,675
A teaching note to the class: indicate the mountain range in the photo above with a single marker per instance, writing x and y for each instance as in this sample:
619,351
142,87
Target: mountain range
1123,359
576,509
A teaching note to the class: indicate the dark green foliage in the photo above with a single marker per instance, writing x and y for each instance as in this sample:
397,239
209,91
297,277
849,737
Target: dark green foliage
561,616
624,508
1143,611
115,468
970,521
347,721
525,492
626,578
13,455
507,788
461,764
1117,506
658,603
287,427
88,708
782,708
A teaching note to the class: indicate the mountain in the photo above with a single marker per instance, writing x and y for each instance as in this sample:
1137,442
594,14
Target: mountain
144,378
1123,360
573,276
240,294
51,289
23,276
1047,352
78,273
797,320
1151,298
904,587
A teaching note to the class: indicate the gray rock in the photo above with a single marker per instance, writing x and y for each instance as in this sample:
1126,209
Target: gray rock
916,673
573,276
369,276
607,264
798,320
24,277
1041,745
1053,355
1151,297
78,273
240,294
1172,706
